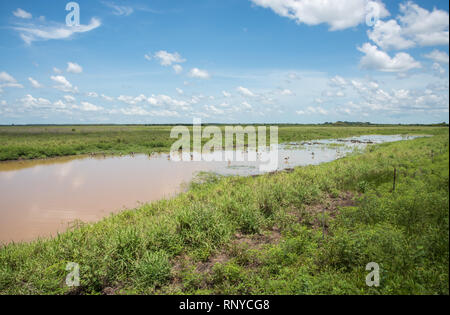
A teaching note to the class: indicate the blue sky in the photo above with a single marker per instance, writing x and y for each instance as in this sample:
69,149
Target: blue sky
227,61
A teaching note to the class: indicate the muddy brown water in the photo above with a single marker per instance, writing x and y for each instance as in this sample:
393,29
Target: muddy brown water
40,198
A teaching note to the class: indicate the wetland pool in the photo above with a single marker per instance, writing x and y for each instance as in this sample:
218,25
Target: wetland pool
39,198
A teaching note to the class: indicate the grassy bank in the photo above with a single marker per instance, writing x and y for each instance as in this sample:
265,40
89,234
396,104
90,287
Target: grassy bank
31,142
310,231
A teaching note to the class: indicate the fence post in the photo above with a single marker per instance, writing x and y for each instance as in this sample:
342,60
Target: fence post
395,177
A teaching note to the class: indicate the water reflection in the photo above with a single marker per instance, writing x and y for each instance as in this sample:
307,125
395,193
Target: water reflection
41,197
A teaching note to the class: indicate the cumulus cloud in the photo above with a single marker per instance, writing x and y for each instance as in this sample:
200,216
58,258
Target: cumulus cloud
438,56
245,92
389,35
88,107
226,94
375,59
312,110
200,74
38,32
438,69
427,28
338,81
167,59
31,102
140,111
69,98
393,101
59,104
214,110
22,14
178,69
286,92
7,80
338,15
130,99
63,84
74,67
333,93
154,100
107,98
34,83
415,26
6,77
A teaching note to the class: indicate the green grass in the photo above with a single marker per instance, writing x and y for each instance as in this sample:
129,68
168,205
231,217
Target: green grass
32,142
265,235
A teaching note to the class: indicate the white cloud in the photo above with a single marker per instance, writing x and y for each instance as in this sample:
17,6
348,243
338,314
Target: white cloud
139,111
286,92
134,111
214,110
358,86
245,92
312,110
60,105
333,93
427,28
107,98
88,107
415,26
7,80
148,57
167,59
56,70
63,84
389,101
180,91
74,67
438,69
338,15
32,32
389,35
375,59
69,98
22,14
131,100
338,81
200,74
178,69
34,83
92,94
6,77
438,56
169,101
319,100
154,100
226,94
29,101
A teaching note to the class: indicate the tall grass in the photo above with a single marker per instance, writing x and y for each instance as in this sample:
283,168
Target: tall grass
265,235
